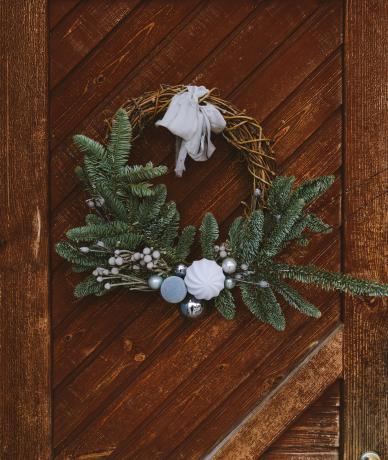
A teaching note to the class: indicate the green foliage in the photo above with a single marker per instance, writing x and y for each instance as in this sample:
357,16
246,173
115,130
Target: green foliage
129,212
225,304
89,286
209,234
263,304
330,280
294,299
185,242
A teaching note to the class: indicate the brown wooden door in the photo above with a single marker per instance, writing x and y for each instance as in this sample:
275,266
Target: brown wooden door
131,378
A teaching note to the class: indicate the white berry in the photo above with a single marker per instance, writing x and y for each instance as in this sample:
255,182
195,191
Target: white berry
95,272
146,251
150,265
156,254
112,261
147,258
115,271
107,285
136,267
119,261
223,254
244,267
84,250
99,279
137,256
142,263
100,244
106,272
117,252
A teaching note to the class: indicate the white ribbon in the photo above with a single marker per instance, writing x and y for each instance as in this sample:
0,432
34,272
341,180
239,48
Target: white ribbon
192,123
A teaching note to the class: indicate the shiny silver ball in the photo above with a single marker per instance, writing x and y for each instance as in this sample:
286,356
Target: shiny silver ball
192,307
155,281
230,282
229,265
180,270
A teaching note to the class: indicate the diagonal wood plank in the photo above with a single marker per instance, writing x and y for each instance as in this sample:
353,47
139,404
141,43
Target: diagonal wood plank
82,30
254,434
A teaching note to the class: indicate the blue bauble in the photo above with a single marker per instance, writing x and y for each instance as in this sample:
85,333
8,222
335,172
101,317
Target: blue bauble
192,307
173,289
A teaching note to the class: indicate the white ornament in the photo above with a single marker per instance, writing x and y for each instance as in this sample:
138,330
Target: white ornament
229,265
204,279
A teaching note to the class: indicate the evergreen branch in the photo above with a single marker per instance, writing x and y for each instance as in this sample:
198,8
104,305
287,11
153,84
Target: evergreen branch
317,225
185,242
312,189
141,189
89,286
282,229
119,144
97,231
294,298
129,241
112,202
279,193
225,304
209,234
140,173
73,255
263,304
330,280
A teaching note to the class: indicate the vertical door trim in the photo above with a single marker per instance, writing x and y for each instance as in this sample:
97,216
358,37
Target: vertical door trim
365,208
25,428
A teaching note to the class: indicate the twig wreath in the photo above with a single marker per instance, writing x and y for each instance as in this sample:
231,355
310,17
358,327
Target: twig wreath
131,237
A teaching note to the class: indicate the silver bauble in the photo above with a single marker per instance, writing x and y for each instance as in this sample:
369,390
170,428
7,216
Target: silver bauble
192,307
230,282
180,270
173,289
155,281
229,265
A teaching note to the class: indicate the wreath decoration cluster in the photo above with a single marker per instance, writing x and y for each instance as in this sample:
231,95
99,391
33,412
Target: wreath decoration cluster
131,237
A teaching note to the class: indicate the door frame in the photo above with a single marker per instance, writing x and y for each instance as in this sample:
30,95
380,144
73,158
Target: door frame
25,350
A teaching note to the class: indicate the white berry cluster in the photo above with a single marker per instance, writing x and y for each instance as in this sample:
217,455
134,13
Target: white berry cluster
148,258
95,202
222,250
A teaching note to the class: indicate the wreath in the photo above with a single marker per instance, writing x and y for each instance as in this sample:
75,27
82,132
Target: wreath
131,237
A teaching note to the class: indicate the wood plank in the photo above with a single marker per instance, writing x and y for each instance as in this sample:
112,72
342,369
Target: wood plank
73,341
156,380
257,49
81,31
260,428
105,67
24,312
366,140
317,429
58,9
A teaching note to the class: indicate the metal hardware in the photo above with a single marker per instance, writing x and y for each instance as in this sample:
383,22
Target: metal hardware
370,456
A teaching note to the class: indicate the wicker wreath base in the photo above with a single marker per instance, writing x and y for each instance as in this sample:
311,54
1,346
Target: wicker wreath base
242,131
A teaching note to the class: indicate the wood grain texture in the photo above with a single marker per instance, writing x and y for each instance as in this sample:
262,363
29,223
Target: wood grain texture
366,140
280,408
315,434
126,367
24,296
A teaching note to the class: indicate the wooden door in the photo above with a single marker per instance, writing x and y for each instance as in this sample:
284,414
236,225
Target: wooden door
130,377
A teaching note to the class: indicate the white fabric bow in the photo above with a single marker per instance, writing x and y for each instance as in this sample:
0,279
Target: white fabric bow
192,124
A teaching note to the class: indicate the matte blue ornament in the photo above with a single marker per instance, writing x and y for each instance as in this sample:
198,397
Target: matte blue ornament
173,289
192,307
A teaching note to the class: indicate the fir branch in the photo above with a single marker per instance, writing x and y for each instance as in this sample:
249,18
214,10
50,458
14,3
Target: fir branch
312,189
112,202
89,286
97,231
185,242
225,304
279,193
73,255
140,173
150,208
330,280
235,235
294,298
316,225
129,241
263,304
119,144
209,234
141,189
282,229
